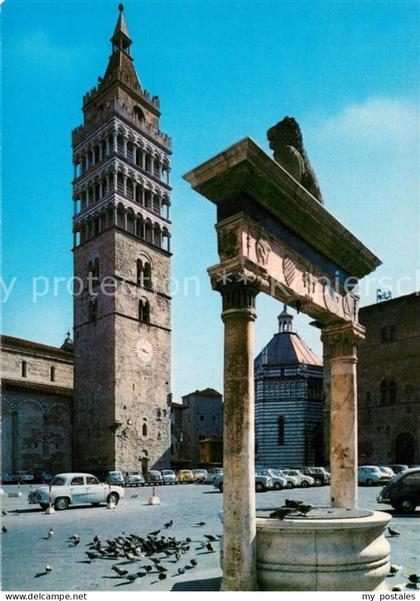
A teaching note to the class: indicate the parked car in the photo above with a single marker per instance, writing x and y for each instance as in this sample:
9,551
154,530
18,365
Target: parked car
133,479
403,491
262,483
371,474
169,477
75,489
291,481
115,477
303,481
279,481
200,475
43,476
154,478
387,470
6,478
320,475
23,476
185,476
398,467
212,473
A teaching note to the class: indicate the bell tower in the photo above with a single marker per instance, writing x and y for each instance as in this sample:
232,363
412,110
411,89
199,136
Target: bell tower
121,250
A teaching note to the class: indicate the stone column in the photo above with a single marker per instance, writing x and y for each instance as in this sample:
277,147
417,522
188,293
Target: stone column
341,340
239,530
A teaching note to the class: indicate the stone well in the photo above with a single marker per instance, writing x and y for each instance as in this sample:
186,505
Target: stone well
329,549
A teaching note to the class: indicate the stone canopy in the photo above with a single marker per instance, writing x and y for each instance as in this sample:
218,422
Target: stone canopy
272,229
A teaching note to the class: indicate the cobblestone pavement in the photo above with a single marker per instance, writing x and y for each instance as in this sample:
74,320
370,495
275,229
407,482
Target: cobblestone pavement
26,549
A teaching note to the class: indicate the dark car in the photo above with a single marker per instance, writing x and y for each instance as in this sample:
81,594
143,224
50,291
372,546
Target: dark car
403,491
153,477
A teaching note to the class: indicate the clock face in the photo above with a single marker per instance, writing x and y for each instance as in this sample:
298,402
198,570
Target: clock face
144,350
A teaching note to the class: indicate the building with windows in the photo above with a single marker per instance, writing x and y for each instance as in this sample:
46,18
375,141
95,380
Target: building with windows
288,401
389,382
36,405
197,429
121,228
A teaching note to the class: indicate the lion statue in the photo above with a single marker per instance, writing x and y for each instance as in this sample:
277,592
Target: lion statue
286,141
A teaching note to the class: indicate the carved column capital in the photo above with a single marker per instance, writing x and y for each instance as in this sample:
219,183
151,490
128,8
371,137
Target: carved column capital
341,340
238,296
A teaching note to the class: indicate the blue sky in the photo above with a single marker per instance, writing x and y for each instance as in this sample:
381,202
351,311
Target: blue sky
347,70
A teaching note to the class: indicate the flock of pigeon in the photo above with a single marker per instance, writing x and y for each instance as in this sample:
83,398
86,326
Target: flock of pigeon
156,554
134,556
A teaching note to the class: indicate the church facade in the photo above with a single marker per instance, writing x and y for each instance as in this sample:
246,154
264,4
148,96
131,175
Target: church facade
288,401
122,307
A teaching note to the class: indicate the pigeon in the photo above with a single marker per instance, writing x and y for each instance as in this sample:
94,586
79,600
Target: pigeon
181,571
393,532
133,496
187,540
210,537
95,538
304,508
210,547
92,556
162,576
193,562
3,512
200,524
394,570
412,585
161,568
414,578
50,533
292,503
281,513
4,529
398,588
148,568
141,574
131,577
48,568
119,571
155,533
168,524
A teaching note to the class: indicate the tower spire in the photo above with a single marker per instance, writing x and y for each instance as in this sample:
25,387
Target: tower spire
121,38
285,321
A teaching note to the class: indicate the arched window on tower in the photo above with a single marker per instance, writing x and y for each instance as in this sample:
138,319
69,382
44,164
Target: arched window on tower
139,272
24,369
144,429
144,311
52,374
93,272
147,276
280,430
138,113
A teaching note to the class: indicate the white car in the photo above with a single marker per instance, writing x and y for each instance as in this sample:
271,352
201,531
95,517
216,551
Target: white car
75,489
291,481
372,474
303,481
387,470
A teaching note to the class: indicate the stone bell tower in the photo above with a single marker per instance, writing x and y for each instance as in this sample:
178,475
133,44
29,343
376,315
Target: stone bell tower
121,229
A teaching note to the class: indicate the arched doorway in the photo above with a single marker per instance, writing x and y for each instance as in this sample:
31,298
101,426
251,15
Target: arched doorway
405,448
